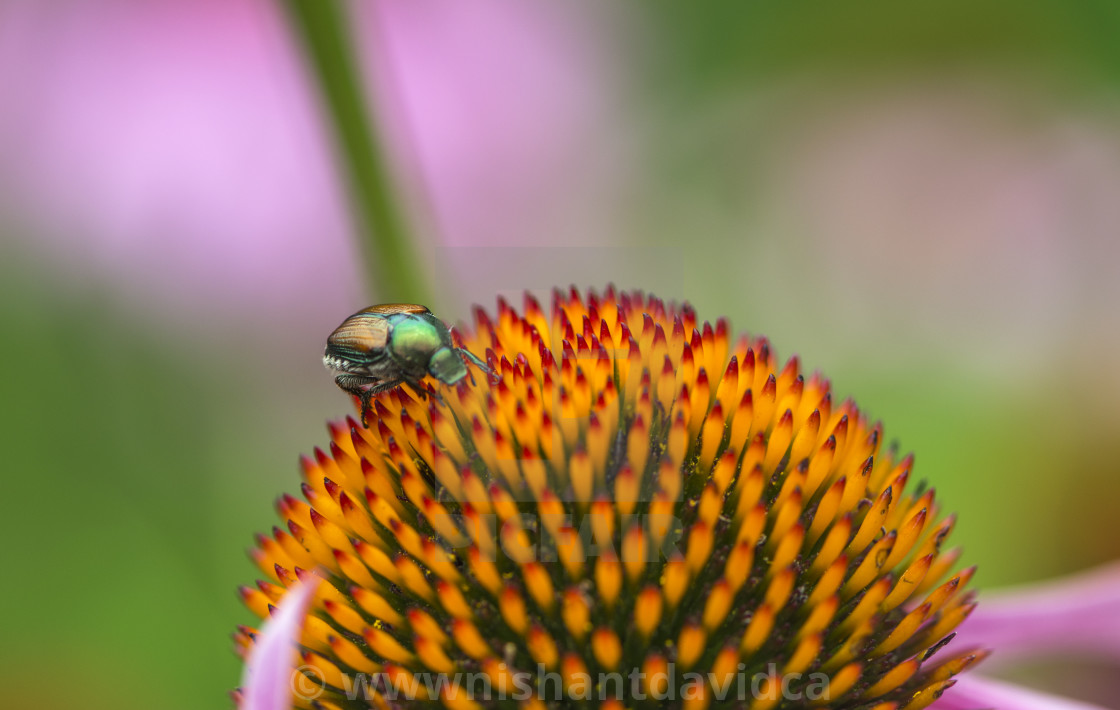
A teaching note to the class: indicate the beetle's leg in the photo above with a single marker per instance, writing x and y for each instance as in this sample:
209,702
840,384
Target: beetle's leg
364,398
354,384
477,363
358,386
438,397
418,386
364,387
381,387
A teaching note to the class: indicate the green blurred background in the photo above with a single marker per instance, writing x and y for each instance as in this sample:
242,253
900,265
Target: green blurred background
919,199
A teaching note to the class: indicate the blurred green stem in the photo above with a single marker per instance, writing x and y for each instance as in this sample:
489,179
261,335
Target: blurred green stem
391,269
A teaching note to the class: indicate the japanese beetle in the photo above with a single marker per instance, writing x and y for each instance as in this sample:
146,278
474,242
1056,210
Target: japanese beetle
383,346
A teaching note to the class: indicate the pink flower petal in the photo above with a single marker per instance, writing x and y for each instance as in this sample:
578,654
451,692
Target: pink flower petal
1075,614
975,693
267,680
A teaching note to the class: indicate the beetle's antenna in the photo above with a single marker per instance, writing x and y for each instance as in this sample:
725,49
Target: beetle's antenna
471,357
479,364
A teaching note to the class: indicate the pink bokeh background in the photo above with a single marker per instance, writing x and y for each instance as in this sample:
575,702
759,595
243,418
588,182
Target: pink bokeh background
175,150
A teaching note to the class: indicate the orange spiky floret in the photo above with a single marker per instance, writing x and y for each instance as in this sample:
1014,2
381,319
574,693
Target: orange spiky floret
635,492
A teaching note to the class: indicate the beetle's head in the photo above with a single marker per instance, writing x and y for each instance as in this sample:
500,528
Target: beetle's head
447,366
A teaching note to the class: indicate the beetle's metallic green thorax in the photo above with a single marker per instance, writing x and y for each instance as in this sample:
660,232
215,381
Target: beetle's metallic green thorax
414,339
